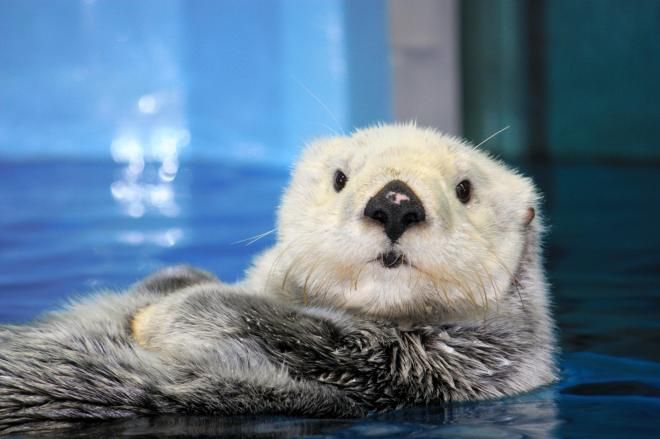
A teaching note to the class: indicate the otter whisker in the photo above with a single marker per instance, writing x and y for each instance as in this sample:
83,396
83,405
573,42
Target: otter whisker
492,136
515,282
444,291
465,289
320,102
251,240
307,278
496,290
274,264
435,282
484,294
288,272
333,280
277,261
514,279
357,278
479,284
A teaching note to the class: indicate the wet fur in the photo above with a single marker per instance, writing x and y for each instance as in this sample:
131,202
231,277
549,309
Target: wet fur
263,347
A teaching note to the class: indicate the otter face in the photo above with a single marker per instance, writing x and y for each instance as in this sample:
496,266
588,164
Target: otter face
398,220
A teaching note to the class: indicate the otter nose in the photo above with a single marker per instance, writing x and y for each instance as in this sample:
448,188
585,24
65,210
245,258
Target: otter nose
397,207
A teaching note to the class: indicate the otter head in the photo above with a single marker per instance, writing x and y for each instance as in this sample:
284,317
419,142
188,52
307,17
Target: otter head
396,221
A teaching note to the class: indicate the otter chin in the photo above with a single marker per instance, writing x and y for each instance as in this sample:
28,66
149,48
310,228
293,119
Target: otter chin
396,221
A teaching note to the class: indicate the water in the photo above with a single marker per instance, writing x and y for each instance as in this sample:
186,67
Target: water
71,228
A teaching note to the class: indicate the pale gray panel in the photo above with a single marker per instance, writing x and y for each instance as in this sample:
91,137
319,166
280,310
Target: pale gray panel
426,62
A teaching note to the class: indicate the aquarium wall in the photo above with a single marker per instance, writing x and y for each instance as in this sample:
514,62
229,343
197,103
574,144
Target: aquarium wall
247,81
574,80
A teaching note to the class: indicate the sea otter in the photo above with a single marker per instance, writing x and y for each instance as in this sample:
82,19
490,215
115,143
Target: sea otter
407,269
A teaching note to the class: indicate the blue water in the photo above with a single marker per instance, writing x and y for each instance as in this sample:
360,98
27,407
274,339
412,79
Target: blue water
70,228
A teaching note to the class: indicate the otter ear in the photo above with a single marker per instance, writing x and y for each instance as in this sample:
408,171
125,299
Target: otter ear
529,215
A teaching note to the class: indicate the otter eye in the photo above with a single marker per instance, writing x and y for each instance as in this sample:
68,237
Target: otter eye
340,180
464,191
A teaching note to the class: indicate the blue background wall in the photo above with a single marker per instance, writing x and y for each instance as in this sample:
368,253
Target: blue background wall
243,80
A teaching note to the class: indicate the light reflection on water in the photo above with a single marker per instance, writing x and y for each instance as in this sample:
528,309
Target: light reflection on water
137,191
162,238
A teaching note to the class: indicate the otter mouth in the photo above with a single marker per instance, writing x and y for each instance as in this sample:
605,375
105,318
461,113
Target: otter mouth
391,259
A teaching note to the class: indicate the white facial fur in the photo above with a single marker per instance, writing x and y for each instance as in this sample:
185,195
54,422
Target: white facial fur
461,257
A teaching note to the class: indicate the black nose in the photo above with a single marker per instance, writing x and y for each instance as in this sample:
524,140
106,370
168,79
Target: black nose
397,207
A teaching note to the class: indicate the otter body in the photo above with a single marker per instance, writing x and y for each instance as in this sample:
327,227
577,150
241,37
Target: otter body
406,270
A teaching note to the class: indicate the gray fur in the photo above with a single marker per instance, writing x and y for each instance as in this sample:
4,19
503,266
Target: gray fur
249,354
